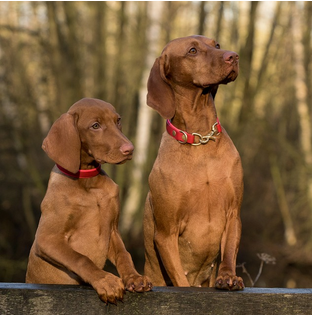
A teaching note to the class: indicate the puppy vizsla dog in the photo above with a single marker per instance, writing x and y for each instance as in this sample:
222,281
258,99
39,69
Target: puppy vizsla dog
192,225
78,230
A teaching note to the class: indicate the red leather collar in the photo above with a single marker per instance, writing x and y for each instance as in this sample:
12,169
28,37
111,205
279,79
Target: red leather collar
81,173
185,137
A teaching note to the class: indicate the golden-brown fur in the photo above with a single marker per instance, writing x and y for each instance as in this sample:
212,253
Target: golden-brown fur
78,228
192,212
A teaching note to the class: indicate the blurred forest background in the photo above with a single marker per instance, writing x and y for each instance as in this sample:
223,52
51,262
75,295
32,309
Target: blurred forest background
54,53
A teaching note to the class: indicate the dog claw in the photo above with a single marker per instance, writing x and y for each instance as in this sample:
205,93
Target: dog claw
228,283
138,284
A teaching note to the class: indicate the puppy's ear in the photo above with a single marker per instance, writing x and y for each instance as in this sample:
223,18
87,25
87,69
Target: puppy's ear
62,143
159,93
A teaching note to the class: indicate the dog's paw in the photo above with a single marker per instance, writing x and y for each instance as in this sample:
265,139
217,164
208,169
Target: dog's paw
232,283
138,283
109,288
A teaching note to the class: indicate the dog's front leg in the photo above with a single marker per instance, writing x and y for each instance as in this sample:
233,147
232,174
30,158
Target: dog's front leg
227,278
54,249
120,257
167,245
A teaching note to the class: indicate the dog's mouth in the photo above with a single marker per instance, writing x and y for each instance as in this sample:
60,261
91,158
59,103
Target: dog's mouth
113,160
230,77
227,78
127,158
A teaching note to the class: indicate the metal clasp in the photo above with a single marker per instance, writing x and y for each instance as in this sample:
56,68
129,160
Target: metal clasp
213,128
184,137
205,139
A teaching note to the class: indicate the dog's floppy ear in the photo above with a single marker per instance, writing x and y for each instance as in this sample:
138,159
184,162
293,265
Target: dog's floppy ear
159,93
62,144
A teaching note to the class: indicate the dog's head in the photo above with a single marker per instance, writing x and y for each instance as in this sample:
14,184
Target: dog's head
193,62
89,131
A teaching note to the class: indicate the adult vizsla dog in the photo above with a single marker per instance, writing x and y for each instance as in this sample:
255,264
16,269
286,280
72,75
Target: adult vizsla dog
78,229
192,225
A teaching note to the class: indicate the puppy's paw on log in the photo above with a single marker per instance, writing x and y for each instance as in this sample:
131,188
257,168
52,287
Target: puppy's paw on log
109,288
231,283
138,283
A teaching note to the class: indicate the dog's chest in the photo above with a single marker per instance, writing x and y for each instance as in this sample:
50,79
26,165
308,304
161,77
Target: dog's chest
199,177
202,185
203,170
90,223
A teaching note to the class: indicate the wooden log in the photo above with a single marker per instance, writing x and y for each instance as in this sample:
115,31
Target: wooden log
28,299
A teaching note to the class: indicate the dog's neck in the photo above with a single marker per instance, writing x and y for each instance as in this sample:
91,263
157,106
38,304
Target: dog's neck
85,173
87,160
195,113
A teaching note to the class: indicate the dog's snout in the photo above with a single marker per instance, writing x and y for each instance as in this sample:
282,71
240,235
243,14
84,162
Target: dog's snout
230,57
127,149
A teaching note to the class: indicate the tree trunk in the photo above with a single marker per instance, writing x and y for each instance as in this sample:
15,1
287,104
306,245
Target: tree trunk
144,123
99,46
303,103
202,18
290,236
246,57
219,21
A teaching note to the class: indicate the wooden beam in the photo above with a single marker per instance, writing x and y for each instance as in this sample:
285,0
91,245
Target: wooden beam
19,298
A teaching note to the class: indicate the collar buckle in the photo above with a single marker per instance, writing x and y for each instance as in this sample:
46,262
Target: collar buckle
184,137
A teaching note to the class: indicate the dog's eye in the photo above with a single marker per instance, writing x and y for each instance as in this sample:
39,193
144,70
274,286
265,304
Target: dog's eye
96,126
217,46
118,121
193,51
